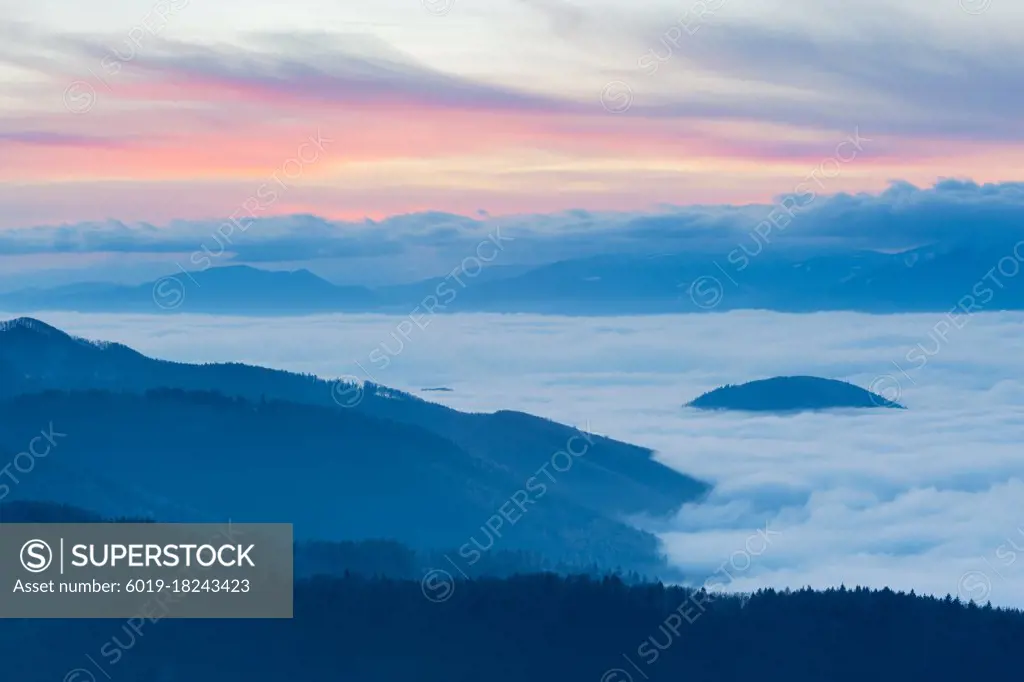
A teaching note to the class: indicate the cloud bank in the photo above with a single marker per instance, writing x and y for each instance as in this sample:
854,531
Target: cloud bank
951,214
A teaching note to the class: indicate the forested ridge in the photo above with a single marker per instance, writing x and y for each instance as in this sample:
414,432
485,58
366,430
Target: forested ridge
543,627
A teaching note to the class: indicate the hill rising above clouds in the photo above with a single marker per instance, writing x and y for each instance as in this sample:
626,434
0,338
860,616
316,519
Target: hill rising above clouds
789,394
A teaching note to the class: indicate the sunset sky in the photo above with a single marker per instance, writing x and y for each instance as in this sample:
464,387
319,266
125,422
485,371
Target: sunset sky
184,109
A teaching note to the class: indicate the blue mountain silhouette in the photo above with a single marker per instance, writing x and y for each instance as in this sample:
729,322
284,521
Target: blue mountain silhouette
793,393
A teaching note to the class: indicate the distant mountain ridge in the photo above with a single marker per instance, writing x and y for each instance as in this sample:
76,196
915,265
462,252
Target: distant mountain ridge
789,394
769,278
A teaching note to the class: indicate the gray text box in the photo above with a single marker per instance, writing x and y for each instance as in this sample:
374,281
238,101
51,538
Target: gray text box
152,570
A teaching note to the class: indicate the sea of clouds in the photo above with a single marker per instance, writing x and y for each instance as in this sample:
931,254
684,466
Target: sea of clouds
930,499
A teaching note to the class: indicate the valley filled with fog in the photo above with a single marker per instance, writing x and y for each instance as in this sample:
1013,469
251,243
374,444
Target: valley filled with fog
926,499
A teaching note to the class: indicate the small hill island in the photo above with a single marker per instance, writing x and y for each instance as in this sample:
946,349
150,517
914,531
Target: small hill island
791,394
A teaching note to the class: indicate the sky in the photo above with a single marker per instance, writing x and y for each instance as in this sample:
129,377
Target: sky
187,110
926,499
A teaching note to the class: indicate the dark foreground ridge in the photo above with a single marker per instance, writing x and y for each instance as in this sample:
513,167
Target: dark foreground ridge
542,628
791,394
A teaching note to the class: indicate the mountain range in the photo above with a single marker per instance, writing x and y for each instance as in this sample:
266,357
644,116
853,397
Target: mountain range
173,441
968,279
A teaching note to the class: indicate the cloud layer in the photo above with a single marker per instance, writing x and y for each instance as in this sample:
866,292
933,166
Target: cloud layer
952,213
